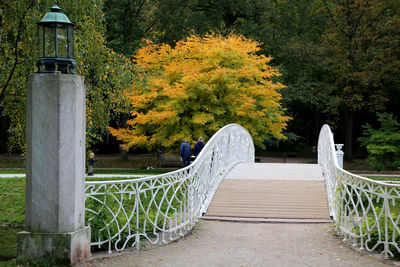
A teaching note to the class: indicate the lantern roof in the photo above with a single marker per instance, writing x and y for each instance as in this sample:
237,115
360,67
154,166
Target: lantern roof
55,16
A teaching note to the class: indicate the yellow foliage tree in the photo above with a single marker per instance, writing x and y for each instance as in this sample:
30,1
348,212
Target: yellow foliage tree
197,87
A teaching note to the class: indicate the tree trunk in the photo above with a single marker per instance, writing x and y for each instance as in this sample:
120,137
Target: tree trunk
348,143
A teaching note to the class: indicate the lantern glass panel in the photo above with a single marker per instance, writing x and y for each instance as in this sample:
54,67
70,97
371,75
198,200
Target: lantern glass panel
50,41
41,41
71,42
62,38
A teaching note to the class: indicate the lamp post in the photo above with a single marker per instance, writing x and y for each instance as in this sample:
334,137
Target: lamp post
55,231
56,43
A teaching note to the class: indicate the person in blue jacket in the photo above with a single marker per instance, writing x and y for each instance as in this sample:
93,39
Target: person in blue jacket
186,153
198,146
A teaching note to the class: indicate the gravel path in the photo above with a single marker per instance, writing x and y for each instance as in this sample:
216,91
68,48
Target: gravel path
216,243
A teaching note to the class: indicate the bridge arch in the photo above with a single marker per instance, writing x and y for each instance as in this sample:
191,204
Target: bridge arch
365,211
162,208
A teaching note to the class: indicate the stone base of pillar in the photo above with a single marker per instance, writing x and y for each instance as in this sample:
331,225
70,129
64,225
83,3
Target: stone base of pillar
53,248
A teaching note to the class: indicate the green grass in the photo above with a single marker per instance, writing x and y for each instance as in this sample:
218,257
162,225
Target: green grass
8,245
12,216
100,171
12,171
383,178
151,201
131,171
95,179
12,162
370,205
113,161
12,201
118,162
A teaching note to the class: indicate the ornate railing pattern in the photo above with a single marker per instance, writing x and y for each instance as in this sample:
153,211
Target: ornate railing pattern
161,208
364,211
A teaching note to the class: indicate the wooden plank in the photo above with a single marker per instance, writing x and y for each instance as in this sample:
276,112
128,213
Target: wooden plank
270,199
269,220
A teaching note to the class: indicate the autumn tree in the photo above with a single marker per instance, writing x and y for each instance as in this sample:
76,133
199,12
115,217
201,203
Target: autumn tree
200,85
290,31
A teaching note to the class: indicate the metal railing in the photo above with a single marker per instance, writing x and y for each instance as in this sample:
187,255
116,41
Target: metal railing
365,211
159,209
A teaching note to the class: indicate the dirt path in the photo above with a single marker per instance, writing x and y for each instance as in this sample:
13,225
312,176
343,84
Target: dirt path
216,243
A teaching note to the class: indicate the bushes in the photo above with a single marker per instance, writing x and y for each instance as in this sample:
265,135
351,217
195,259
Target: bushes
383,144
118,218
374,229
370,214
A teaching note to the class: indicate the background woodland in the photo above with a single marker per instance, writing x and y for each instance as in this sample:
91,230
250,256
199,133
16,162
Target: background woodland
339,60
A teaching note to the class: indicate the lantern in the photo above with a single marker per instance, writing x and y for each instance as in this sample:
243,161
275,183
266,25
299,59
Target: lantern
56,43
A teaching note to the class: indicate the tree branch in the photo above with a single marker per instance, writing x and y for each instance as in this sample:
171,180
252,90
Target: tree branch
16,43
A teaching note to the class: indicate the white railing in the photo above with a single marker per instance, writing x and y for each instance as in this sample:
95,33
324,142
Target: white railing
364,210
159,209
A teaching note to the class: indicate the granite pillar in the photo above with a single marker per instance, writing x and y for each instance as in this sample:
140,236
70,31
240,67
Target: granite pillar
55,229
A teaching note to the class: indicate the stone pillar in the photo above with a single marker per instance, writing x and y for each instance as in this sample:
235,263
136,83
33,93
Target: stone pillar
55,229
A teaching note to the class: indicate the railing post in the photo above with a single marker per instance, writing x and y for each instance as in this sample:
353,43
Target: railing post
339,154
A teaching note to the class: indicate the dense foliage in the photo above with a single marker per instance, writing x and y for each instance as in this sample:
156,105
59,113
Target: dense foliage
383,144
339,60
106,72
199,86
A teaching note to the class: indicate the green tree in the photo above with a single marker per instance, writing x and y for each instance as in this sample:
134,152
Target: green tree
358,43
200,85
293,32
101,66
167,21
16,61
126,24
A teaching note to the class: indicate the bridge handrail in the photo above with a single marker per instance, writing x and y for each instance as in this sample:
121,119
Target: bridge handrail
359,206
161,208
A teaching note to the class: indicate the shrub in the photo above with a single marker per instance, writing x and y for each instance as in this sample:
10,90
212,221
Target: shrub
383,144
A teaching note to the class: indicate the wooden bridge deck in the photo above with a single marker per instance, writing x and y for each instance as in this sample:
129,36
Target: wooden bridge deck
271,192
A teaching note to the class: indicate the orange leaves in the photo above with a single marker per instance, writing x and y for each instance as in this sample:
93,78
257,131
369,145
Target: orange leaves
152,117
197,87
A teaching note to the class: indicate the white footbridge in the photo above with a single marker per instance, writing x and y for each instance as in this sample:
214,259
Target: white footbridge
224,183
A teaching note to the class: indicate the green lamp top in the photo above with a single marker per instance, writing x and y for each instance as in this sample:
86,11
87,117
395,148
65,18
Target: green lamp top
55,15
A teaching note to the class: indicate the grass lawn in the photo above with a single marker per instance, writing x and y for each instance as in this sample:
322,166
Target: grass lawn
99,171
8,246
12,162
131,171
12,171
384,178
118,162
12,201
12,216
95,179
113,164
112,161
